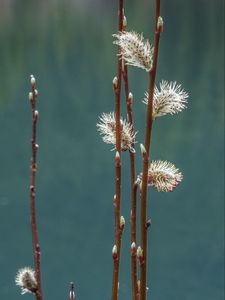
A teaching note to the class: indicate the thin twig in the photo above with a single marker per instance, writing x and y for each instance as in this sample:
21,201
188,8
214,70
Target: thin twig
129,102
152,76
118,231
34,147
118,236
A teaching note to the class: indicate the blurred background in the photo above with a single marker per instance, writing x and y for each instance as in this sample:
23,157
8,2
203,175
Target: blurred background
67,45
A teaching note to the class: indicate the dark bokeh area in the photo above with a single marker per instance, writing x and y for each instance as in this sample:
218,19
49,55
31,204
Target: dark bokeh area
67,45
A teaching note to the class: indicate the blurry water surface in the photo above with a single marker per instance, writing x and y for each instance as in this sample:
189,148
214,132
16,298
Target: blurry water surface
67,45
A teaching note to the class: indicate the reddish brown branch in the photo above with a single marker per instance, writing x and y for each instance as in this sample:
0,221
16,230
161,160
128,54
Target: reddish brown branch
129,102
133,215
117,88
34,148
118,231
152,76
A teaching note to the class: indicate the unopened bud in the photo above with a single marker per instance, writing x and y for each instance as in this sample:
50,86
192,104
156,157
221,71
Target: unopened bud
143,150
36,113
138,181
30,96
130,99
124,22
114,252
160,24
149,223
36,92
36,146
115,82
130,96
133,246
139,252
114,200
133,249
123,64
32,80
72,295
138,285
117,158
122,222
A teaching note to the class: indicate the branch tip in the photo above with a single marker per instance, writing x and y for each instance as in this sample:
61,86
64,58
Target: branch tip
32,80
72,294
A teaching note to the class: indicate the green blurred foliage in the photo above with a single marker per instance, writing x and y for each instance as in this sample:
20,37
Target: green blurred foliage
67,45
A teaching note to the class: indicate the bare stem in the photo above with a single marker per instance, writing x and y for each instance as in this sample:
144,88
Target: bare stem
133,215
152,76
34,230
118,231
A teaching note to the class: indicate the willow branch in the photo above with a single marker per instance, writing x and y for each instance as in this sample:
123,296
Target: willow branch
146,153
118,234
34,148
129,99
118,231
133,215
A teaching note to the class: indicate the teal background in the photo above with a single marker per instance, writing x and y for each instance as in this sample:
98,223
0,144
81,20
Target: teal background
67,45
